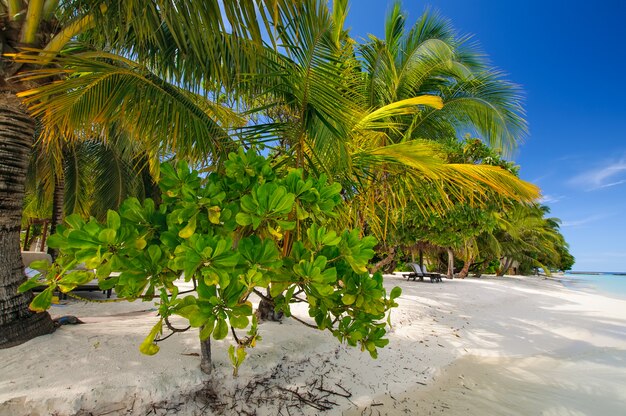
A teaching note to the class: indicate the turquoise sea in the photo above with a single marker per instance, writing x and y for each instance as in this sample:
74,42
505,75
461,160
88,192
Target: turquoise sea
611,284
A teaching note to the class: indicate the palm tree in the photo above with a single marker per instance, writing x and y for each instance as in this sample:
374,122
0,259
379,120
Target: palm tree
164,35
86,177
387,98
430,59
526,235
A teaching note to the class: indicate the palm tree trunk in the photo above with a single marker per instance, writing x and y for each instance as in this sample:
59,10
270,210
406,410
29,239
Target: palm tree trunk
507,265
17,323
385,261
465,270
450,263
57,211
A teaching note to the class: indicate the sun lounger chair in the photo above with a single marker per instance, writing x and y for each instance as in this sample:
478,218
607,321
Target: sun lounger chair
418,273
432,275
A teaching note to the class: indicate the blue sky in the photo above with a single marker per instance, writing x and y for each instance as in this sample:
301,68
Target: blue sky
570,59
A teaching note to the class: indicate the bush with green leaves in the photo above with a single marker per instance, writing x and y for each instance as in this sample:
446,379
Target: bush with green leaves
251,228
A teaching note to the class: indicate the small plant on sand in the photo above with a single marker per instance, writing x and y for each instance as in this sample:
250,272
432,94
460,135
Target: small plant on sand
250,229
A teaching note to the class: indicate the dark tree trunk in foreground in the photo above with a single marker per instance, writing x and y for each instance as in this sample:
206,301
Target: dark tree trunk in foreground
17,323
450,263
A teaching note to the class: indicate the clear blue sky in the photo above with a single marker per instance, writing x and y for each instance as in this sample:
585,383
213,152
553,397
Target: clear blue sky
570,59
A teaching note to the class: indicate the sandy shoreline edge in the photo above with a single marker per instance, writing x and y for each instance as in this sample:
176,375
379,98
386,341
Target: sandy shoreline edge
474,346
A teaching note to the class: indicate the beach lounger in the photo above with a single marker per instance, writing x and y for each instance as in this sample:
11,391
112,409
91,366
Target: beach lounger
432,275
415,273
418,273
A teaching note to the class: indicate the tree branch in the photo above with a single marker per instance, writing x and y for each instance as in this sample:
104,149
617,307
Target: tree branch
304,323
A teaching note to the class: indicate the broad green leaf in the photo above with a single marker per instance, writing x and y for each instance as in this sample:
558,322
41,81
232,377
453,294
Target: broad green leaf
221,329
42,301
87,255
238,322
241,355
395,292
199,318
107,236
31,283
76,278
57,241
140,243
206,330
214,215
348,299
148,346
80,239
189,229
113,220
103,270
39,265
75,221
155,253
243,219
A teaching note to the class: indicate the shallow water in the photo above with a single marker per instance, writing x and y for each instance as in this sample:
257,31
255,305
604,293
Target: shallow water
613,285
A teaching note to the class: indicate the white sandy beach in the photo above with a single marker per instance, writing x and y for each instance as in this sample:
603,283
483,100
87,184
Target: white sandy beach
489,346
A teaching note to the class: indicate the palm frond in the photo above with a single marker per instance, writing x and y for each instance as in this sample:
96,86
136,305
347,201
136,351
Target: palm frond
77,180
109,89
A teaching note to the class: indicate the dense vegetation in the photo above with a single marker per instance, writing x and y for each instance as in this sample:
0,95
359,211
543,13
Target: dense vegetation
125,86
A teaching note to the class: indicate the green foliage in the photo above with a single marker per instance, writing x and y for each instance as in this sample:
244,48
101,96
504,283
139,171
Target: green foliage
528,236
236,357
228,233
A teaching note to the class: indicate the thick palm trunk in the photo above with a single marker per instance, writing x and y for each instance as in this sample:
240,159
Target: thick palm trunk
17,323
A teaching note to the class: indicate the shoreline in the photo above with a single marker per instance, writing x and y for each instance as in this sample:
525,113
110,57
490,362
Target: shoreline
460,346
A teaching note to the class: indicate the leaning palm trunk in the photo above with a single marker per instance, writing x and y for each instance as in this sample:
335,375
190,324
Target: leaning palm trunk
17,323
465,270
386,263
508,262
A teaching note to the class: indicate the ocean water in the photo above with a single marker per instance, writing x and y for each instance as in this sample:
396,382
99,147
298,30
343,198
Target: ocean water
611,284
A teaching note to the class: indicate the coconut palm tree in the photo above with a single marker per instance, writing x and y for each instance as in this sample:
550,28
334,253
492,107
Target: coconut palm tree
86,177
164,35
429,58
526,235
388,95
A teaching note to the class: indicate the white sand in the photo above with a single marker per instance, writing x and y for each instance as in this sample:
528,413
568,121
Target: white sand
515,346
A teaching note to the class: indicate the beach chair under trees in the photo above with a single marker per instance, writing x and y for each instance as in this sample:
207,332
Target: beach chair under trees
417,273
432,275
